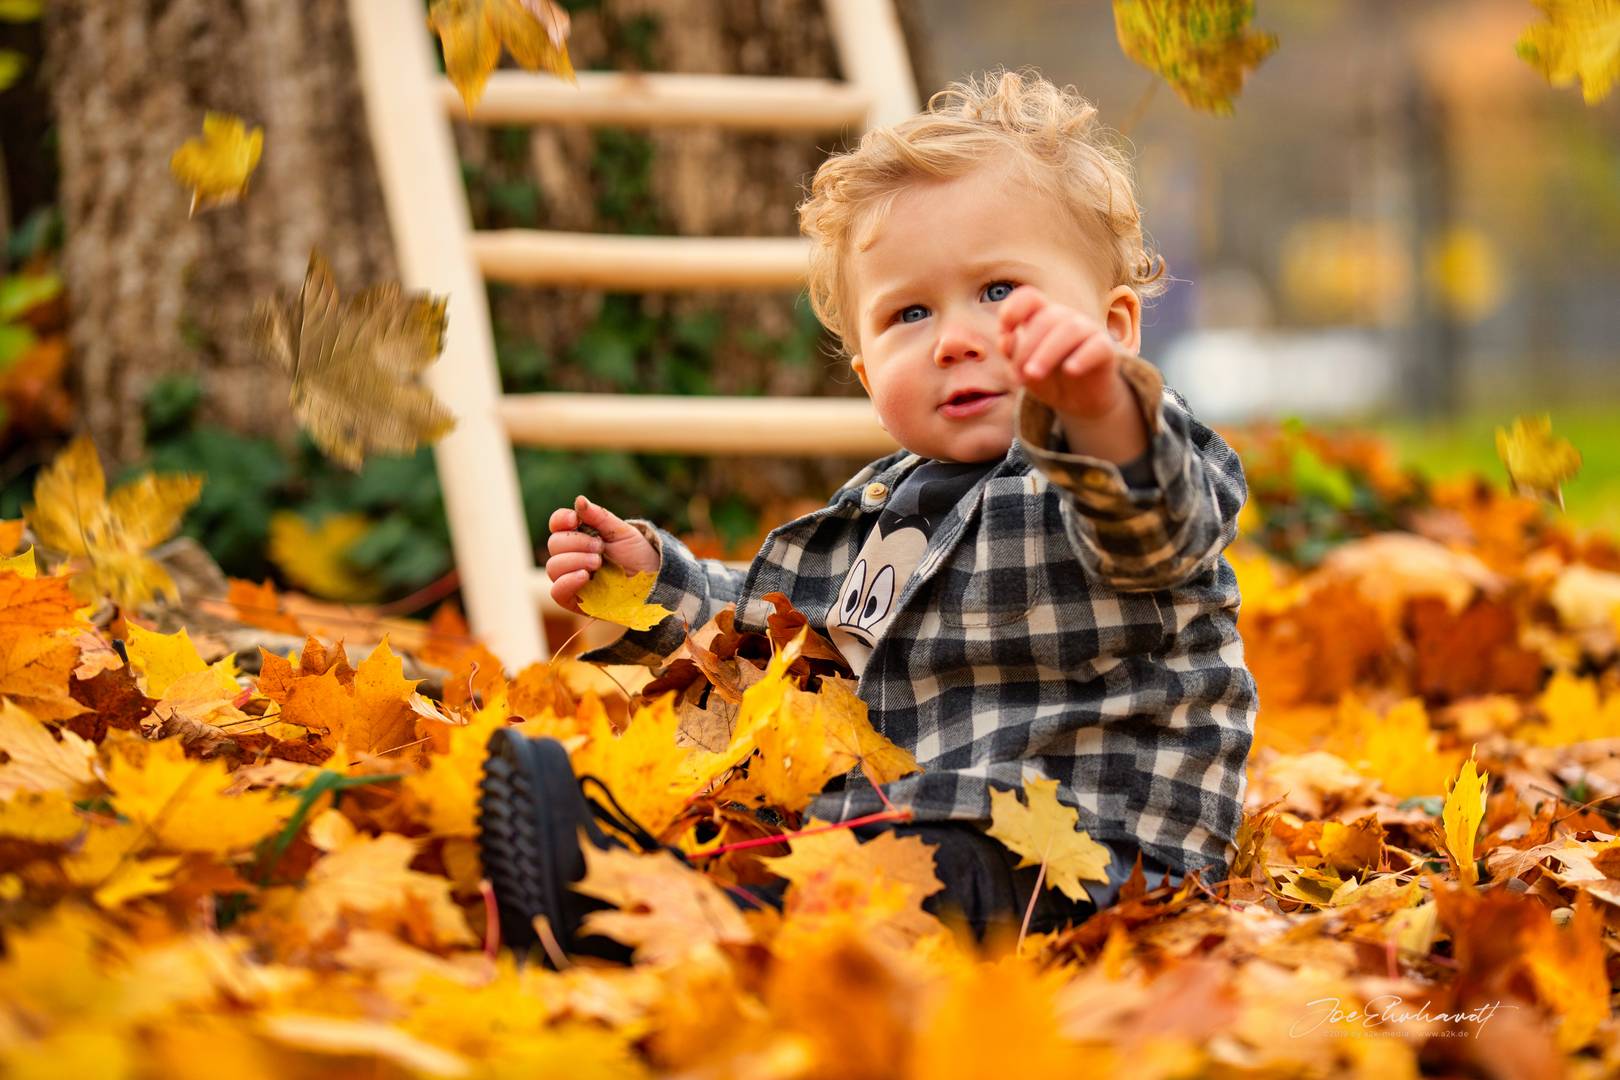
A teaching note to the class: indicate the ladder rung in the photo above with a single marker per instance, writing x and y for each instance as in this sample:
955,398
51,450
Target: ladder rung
640,263
540,587
741,102
678,424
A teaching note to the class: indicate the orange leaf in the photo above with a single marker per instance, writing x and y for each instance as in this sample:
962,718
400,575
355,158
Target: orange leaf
258,605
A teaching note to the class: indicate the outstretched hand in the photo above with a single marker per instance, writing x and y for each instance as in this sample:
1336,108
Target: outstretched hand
1062,356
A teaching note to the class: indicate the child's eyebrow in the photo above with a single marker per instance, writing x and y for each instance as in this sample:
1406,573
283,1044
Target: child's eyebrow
894,295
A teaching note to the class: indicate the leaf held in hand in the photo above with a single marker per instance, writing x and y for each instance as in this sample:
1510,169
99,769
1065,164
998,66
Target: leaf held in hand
216,167
1044,831
616,597
535,32
1538,462
1202,48
354,365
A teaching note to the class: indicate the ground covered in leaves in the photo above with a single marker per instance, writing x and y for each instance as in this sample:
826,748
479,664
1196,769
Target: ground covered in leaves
264,863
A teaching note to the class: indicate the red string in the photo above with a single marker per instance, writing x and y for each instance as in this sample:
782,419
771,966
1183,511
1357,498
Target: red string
765,841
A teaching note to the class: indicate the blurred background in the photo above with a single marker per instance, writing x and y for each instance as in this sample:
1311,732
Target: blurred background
1401,228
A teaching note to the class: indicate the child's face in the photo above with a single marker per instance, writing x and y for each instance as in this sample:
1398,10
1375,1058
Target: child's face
927,293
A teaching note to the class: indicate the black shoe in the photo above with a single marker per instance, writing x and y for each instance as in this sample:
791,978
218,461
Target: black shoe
531,810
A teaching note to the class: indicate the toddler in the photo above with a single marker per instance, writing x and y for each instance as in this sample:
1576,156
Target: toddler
1033,585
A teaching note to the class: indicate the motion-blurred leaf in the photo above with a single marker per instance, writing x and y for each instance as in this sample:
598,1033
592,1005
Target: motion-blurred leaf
1580,39
1202,48
1538,462
354,366
535,32
216,167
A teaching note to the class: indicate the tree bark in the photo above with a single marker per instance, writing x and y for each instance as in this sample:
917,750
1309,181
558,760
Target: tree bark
153,293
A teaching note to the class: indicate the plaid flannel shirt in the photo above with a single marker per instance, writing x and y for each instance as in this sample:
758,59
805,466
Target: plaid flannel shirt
1061,624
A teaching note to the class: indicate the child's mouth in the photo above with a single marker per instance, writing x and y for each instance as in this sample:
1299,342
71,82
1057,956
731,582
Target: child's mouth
969,404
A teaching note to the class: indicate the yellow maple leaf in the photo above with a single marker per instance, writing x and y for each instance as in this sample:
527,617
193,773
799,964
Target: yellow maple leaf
643,766
1579,39
535,32
355,365
41,819
183,803
615,597
108,537
370,876
448,787
316,558
38,762
850,730
1464,810
163,659
877,886
1538,462
667,909
216,167
1045,831
1202,48
1019,1001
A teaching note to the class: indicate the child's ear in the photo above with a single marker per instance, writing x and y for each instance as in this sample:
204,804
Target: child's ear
859,365
1124,317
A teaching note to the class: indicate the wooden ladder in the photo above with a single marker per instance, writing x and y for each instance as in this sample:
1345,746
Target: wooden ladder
408,110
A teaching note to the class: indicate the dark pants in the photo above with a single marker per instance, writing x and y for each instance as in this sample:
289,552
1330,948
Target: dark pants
980,881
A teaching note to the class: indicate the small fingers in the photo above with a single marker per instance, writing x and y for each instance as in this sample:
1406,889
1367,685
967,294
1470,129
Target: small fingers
1059,343
570,540
562,518
559,567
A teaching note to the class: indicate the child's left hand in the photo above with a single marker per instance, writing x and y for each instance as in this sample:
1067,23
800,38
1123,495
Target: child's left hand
1062,356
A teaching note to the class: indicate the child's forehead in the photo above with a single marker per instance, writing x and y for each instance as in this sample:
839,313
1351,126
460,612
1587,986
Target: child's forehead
980,200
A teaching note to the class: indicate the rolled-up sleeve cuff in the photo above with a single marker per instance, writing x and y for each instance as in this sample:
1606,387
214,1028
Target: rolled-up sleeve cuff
1103,487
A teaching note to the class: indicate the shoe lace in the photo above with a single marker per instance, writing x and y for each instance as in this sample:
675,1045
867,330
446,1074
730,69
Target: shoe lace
618,817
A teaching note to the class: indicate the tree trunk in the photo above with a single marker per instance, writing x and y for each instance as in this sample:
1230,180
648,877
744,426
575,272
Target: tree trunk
153,293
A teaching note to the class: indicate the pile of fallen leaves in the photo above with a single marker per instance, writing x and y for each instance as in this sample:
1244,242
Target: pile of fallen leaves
277,872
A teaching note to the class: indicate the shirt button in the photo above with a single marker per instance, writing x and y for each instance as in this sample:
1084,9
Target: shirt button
876,491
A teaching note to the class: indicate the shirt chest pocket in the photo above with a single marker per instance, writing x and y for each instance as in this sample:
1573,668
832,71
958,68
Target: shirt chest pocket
996,597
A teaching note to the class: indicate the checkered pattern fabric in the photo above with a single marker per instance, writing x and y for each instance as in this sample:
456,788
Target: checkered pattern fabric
1061,624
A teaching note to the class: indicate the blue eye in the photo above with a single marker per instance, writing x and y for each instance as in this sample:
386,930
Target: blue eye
1009,286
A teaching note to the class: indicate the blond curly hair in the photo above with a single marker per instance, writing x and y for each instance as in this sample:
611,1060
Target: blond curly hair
1050,134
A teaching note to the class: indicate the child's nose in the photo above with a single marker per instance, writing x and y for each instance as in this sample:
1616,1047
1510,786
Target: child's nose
959,341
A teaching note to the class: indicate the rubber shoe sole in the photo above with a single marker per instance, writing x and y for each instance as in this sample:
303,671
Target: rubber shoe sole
530,816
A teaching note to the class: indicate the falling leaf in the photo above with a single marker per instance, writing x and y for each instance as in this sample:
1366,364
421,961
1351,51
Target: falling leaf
1538,462
1579,39
354,365
1202,48
618,598
535,32
1464,810
216,167
667,909
1044,831
108,537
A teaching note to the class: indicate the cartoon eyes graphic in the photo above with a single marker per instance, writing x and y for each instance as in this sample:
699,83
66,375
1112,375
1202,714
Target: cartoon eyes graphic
857,578
878,600
863,607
